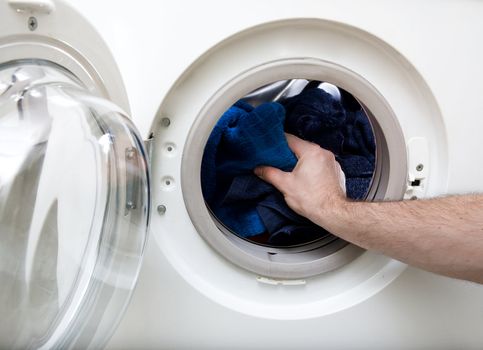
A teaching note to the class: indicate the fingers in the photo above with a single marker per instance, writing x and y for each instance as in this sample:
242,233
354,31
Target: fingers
274,176
297,145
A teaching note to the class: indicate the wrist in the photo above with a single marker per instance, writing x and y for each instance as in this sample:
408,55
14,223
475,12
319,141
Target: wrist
350,221
334,215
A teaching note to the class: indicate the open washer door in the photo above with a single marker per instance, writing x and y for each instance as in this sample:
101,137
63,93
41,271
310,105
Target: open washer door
74,209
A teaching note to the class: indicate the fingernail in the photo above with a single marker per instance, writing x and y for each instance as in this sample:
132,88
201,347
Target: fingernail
258,171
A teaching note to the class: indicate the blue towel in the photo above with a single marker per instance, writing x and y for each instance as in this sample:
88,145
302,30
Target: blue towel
246,137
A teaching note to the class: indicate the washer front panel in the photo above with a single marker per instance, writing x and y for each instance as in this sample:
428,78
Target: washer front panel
206,84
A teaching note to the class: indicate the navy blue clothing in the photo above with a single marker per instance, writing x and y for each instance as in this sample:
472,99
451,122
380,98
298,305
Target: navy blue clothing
338,126
246,137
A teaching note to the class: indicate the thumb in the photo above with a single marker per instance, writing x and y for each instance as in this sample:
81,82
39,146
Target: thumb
272,175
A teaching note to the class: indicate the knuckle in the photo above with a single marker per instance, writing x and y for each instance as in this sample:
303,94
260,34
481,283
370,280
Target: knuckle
270,174
327,155
313,149
268,171
321,153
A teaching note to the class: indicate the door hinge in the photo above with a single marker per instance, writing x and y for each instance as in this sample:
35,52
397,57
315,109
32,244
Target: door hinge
148,145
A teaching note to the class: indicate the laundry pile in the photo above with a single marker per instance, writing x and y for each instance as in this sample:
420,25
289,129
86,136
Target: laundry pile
246,137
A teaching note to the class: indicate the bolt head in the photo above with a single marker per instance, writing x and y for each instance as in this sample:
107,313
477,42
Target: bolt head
161,209
165,122
32,23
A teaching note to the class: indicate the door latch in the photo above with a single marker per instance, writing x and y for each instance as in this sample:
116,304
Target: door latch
418,167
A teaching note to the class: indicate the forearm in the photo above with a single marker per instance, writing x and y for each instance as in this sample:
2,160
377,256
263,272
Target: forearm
443,235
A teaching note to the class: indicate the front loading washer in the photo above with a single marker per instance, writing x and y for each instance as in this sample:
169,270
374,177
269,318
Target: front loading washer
77,198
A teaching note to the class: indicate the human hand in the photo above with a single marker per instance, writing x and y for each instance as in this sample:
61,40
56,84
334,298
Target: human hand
316,184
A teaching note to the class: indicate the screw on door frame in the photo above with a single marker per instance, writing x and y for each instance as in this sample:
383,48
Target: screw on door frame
419,167
32,23
161,209
165,122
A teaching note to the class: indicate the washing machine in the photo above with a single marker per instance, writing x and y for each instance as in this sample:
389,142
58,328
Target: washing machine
105,110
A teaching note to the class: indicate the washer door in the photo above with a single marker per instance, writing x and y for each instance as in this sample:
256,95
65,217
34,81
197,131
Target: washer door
74,209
